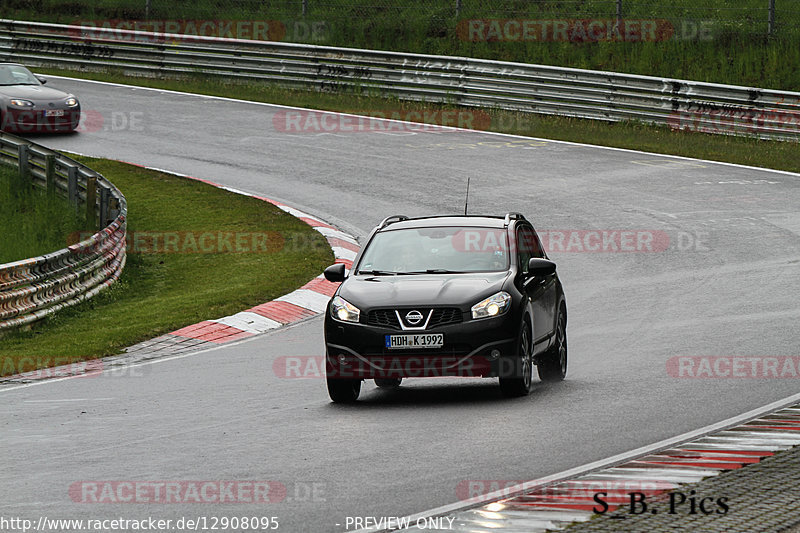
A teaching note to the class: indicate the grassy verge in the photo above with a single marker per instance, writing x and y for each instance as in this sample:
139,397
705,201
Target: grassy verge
32,222
160,292
709,42
741,150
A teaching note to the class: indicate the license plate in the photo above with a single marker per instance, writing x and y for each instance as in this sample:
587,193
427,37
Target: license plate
424,340
54,112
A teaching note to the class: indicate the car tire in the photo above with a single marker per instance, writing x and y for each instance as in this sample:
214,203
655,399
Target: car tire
553,366
344,390
519,381
388,383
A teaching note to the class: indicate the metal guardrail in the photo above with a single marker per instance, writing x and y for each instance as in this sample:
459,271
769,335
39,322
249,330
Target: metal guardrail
34,288
609,96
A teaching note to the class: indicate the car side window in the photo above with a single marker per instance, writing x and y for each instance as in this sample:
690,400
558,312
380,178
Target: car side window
536,245
527,247
523,248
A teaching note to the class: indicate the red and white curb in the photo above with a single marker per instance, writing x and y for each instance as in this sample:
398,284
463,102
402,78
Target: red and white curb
553,505
308,301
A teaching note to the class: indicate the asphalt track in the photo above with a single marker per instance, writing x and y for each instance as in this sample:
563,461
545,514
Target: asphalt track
726,286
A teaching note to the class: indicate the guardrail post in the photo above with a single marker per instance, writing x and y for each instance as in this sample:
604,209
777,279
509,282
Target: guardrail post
50,173
771,19
91,200
72,186
113,206
105,194
23,164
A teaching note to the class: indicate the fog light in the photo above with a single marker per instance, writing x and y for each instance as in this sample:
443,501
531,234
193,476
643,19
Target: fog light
494,354
342,359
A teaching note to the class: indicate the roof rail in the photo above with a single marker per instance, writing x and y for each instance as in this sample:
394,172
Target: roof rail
394,218
513,215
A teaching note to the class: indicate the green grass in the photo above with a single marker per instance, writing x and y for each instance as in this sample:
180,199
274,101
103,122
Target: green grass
735,52
158,293
637,136
32,222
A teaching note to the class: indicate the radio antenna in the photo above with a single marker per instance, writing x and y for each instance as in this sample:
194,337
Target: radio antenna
466,200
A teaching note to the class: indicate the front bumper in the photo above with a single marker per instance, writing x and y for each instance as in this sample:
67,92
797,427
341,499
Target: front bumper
472,348
35,121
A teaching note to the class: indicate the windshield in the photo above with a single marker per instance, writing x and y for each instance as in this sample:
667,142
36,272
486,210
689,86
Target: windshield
436,250
16,75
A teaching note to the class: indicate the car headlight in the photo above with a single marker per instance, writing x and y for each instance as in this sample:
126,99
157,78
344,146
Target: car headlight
343,310
71,101
494,305
21,103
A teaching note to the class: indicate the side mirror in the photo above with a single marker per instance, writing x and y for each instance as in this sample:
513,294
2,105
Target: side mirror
335,273
540,267
41,80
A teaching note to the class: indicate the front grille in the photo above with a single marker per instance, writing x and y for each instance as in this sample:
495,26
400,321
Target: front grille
446,315
387,318
383,317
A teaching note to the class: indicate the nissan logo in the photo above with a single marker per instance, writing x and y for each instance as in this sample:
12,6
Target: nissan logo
414,317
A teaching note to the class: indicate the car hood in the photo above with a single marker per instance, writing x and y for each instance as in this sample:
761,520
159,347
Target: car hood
456,290
35,93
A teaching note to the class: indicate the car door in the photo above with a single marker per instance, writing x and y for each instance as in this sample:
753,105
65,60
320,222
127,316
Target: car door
541,290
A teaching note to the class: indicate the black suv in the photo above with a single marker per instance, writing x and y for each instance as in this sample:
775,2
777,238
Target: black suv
446,296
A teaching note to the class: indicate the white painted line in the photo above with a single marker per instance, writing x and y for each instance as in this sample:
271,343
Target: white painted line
249,322
308,299
69,400
343,253
297,213
336,234
165,171
235,191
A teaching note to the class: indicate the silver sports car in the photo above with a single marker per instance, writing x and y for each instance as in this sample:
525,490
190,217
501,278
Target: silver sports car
27,106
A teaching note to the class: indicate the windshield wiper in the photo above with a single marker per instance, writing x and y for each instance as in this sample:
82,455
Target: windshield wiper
379,272
437,271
